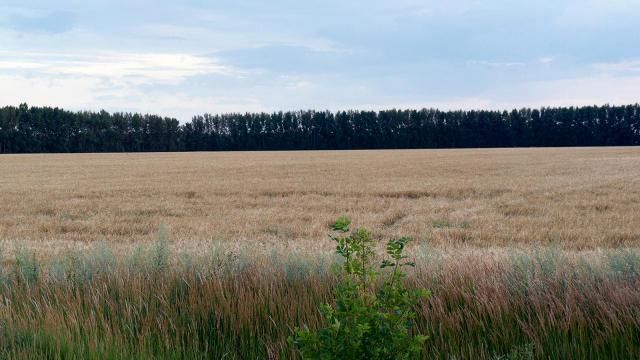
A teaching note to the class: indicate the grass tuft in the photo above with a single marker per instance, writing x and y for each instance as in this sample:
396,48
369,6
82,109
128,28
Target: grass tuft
27,266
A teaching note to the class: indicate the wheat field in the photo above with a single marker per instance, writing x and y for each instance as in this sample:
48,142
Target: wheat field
578,198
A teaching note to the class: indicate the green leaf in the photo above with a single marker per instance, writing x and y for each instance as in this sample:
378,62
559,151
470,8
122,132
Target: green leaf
342,224
387,263
365,324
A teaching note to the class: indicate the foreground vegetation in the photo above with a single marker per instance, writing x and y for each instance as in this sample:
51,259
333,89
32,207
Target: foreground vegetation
542,303
374,315
534,258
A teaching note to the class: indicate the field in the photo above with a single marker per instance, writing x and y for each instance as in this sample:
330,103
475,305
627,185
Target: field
528,252
584,198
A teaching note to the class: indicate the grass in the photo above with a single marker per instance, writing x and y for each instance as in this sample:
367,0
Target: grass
581,198
225,303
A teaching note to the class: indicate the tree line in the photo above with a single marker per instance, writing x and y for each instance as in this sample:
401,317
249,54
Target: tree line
25,129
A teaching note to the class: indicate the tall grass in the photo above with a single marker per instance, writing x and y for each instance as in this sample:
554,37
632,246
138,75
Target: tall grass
235,305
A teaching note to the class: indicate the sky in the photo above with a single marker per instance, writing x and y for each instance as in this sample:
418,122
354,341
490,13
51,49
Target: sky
181,58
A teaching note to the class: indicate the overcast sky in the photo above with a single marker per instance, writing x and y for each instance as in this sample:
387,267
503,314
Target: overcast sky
180,58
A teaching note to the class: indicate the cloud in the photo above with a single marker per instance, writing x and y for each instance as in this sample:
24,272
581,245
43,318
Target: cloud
134,67
48,91
586,90
497,64
116,81
545,60
224,37
94,94
287,58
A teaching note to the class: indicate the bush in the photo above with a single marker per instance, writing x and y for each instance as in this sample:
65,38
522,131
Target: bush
370,320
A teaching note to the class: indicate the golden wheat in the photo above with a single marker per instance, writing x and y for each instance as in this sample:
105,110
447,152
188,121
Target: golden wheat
579,198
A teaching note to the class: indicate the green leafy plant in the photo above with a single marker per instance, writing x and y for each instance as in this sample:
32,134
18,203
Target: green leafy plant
371,319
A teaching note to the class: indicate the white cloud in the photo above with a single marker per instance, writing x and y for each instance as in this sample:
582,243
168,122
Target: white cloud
216,40
597,89
48,91
588,90
497,64
85,93
138,68
545,60
20,65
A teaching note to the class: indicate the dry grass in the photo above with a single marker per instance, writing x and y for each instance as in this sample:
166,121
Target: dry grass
580,198
244,306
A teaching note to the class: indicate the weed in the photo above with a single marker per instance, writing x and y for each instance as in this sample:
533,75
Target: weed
365,323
